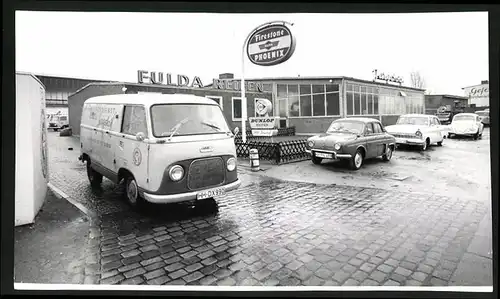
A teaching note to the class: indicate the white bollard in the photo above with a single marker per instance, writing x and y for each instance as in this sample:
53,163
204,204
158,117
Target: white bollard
254,159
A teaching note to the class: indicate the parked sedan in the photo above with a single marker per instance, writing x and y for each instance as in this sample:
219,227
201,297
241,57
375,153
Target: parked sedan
417,129
352,139
466,124
484,116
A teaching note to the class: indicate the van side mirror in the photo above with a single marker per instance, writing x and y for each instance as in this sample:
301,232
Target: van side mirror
236,131
140,136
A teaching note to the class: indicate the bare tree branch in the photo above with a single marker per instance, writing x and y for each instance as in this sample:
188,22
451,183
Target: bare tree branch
417,80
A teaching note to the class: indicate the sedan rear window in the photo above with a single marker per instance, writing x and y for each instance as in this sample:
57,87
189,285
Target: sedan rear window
464,117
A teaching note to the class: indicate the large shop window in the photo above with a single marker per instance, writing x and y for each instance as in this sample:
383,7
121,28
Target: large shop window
393,102
237,114
309,99
361,100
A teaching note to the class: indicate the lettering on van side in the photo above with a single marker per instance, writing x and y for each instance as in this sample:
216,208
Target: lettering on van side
100,142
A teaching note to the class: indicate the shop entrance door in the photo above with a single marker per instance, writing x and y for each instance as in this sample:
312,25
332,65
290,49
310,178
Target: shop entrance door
282,113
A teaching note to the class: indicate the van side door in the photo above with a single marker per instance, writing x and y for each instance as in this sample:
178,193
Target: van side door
113,120
132,154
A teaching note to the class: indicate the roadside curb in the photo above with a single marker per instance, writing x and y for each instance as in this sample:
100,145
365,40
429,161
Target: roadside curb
61,195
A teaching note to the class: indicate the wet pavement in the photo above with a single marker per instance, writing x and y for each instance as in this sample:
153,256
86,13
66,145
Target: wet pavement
276,232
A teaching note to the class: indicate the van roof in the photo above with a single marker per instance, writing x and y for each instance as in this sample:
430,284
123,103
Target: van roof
150,99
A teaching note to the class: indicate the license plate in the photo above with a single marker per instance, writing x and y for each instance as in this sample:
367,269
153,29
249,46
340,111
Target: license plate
210,193
323,155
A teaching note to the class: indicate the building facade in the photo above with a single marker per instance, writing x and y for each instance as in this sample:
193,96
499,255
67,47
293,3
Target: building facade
58,89
230,101
310,104
452,102
478,95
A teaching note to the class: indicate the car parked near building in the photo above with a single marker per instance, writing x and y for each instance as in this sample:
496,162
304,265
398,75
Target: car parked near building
58,122
352,139
417,130
484,116
466,124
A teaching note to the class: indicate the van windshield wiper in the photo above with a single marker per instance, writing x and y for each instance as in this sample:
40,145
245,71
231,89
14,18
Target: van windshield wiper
177,127
211,126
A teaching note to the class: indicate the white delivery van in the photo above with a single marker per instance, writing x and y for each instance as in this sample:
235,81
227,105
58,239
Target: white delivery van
58,122
167,148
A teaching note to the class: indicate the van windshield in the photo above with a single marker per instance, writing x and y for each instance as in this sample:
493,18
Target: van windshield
187,119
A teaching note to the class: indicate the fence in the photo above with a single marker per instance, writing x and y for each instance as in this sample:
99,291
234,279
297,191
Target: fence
276,152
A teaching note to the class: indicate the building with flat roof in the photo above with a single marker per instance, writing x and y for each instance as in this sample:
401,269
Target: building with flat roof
478,95
310,104
58,88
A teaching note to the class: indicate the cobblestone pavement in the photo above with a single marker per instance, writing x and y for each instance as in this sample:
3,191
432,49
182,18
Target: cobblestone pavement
272,232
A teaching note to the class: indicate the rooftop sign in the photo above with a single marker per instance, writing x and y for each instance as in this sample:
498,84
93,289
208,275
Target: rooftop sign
161,78
236,85
386,77
271,45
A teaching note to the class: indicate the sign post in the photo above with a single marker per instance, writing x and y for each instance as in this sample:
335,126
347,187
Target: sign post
268,44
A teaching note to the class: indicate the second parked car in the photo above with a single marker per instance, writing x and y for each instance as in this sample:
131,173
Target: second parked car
466,124
352,139
417,130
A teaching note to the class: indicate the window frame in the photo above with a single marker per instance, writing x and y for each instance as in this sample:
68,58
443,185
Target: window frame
379,125
369,124
232,108
220,98
124,114
311,97
371,93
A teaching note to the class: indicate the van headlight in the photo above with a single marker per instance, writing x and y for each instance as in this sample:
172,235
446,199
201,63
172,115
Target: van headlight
176,173
337,146
231,164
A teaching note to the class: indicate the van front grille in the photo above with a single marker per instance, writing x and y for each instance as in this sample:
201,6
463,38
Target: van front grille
204,173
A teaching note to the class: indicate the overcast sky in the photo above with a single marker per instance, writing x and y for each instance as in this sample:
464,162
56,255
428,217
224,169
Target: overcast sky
449,49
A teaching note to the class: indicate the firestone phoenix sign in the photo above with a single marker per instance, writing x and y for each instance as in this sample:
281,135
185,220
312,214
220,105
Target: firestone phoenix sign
271,45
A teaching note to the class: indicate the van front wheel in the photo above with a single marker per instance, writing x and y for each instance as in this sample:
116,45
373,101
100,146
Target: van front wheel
132,192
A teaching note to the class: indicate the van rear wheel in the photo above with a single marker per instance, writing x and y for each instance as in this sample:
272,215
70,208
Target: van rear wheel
95,178
132,192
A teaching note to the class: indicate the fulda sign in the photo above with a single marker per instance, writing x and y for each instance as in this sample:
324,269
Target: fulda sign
271,45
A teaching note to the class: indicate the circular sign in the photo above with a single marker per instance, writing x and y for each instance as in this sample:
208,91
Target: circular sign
136,156
271,45
263,107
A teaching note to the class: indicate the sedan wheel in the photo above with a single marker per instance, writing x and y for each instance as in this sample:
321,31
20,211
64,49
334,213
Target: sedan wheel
357,160
425,145
388,154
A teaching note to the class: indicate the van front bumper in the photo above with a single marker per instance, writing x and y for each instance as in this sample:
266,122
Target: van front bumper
188,196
